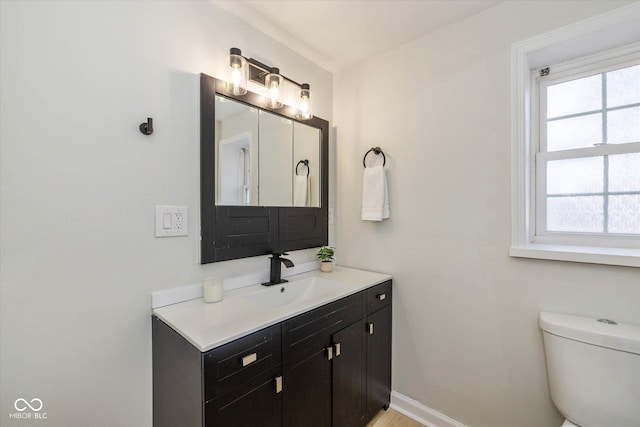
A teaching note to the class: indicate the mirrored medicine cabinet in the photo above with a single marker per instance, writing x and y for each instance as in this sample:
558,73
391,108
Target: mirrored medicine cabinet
264,159
264,176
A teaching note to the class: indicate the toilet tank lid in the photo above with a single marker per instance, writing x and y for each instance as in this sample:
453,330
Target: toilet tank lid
623,337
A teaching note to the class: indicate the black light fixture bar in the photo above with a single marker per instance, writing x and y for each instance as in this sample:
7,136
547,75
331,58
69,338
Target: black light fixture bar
258,71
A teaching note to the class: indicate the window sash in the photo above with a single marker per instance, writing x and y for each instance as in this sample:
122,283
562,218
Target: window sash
540,156
542,235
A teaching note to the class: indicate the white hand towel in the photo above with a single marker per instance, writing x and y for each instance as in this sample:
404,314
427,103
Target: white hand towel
375,195
301,191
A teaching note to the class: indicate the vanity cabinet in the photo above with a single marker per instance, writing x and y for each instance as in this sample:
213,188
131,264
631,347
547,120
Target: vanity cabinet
337,361
254,403
378,348
349,376
330,366
242,381
327,388
316,354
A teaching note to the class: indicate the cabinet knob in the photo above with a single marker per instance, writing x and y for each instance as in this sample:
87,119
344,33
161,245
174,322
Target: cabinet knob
370,328
249,359
279,384
337,346
381,297
329,353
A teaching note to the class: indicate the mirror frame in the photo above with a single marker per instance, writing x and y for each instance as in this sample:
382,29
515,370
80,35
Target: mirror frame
233,232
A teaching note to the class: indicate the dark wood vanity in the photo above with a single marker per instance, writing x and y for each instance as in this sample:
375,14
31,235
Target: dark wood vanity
330,366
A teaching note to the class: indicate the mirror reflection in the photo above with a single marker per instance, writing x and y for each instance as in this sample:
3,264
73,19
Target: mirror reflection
264,159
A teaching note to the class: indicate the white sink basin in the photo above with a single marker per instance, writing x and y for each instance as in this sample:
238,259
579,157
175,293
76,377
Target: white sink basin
302,290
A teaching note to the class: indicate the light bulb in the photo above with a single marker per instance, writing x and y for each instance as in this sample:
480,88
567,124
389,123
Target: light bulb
304,107
304,104
236,77
274,94
273,81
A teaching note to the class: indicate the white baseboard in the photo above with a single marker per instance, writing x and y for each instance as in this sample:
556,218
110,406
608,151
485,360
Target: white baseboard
421,413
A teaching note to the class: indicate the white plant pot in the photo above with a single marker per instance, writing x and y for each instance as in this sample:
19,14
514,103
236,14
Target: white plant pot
326,266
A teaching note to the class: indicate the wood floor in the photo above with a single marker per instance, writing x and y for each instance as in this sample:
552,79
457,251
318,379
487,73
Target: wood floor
391,418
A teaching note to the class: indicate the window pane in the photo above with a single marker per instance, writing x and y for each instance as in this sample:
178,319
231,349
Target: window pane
623,86
577,132
624,214
623,126
624,172
578,214
575,96
575,176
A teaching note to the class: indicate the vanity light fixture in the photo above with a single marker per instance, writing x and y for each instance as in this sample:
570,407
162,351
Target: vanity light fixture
238,72
242,70
273,85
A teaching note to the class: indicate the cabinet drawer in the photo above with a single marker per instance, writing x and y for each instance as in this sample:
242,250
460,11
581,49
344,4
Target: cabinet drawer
312,330
257,402
240,360
378,296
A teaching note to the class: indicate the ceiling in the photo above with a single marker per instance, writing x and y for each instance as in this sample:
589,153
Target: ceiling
339,33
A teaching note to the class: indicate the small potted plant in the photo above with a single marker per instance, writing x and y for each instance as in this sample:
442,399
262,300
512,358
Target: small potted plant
326,257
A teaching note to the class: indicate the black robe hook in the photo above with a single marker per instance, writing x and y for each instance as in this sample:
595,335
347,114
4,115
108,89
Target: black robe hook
147,128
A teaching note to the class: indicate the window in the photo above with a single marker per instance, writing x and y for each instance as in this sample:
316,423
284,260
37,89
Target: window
576,142
586,169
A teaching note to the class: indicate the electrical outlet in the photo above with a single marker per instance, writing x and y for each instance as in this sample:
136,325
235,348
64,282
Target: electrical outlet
179,222
172,221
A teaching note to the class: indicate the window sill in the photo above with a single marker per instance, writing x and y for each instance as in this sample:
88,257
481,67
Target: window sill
592,255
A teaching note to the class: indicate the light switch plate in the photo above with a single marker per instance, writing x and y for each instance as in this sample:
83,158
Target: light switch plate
172,221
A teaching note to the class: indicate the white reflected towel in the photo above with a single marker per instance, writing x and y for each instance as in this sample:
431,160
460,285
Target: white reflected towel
301,192
375,195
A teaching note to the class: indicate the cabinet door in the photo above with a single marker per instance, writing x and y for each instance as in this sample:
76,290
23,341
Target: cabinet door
378,361
258,402
307,390
349,380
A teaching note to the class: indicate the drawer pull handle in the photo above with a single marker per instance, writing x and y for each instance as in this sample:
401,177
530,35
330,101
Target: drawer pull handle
279,384
249,359
381,297
370,327
337,349
329,353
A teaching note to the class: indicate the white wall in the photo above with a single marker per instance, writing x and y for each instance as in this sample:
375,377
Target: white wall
466,340
79,183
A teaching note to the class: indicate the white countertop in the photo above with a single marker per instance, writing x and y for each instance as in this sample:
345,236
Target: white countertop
207,326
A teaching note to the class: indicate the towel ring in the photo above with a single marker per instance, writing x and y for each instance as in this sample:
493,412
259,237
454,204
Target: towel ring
377,151
304,162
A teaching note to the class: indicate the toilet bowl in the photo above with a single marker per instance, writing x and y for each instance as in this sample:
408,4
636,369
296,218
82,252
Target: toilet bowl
593,367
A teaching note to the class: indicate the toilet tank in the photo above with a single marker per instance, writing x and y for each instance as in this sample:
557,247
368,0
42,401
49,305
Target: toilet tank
594,369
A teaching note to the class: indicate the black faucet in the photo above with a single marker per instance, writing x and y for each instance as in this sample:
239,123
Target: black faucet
276,268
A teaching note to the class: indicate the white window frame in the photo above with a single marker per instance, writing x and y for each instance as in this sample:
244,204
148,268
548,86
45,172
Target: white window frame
583,67
596,41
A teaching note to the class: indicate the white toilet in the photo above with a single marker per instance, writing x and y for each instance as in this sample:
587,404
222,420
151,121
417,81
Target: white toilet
594,370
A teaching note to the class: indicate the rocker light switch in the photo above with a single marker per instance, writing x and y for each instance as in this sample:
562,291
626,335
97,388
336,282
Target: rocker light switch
167,221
